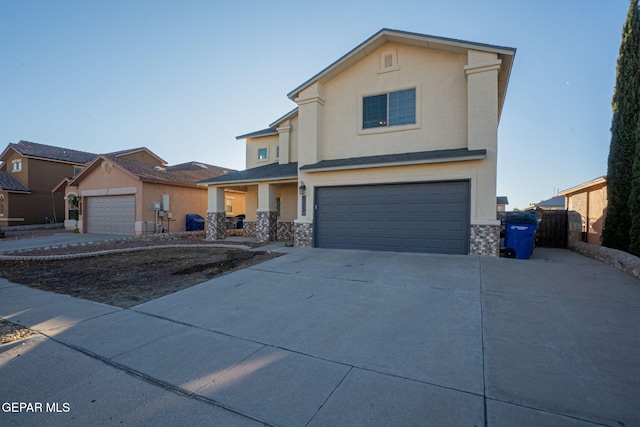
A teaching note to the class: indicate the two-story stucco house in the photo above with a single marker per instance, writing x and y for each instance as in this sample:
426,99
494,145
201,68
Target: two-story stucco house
391,147
27,173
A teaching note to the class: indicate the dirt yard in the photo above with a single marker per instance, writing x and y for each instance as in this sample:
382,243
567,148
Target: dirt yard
130,278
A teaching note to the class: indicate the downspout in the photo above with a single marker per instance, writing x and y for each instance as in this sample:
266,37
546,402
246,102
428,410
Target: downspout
53,206
588,205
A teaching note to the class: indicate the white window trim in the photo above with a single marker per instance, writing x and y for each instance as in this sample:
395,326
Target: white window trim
387,129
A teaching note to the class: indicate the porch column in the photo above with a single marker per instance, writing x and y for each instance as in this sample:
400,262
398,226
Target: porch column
216,215
284,142
267,214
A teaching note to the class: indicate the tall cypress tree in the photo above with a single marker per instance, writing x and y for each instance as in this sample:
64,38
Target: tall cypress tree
624,200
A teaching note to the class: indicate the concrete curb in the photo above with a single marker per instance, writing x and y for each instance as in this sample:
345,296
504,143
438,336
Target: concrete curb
620,260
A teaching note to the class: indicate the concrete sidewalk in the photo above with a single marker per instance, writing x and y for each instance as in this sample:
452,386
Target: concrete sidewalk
330,337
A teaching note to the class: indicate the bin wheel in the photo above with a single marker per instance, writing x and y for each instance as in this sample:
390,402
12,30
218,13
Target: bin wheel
509,253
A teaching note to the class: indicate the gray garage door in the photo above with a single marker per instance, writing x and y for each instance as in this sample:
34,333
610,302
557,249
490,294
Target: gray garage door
422,217
111,215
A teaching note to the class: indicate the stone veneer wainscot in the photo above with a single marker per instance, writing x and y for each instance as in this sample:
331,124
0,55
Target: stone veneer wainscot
485,240
216,225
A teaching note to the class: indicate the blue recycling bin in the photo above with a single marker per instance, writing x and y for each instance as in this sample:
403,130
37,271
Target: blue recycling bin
194,222
520,234
519,239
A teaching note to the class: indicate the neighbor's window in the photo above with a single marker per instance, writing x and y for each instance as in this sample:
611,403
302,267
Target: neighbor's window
74,207
389,109
2,204
228,205
77,170
17,165
263,154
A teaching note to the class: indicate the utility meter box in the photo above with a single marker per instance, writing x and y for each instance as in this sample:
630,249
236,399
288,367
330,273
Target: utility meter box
165,202
156,206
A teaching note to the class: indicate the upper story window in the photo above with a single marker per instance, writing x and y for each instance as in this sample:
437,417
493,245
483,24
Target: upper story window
17,165
389,109
76,170
263,154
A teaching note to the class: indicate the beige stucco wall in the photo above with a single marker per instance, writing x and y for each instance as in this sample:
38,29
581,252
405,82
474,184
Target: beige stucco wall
252,202
288,140
182,201
272,142
591,204
113,181
106,176
441,114
467,170
457,107
238,202
288,194
254,144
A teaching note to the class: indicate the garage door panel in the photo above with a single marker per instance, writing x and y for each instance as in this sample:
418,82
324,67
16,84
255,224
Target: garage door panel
423,217
111,215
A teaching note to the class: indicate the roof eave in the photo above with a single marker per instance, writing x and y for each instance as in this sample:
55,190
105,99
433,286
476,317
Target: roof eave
393,164
258,133
247,181
388,35
287,116
598,181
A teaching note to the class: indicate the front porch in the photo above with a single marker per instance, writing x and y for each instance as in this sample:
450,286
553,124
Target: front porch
271,209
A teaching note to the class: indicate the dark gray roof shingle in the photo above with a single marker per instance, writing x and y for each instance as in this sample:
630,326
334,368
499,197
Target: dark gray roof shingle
9,183
261,173
32,149
384,159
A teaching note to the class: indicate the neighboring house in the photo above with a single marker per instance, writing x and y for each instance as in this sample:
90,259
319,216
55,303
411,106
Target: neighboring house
27,174
589,199
391,147
553,204
502,202
133,192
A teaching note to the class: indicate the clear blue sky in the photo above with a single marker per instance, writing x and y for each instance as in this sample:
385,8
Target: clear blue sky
184,78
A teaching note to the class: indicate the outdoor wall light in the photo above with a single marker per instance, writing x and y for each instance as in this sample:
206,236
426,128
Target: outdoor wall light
302,188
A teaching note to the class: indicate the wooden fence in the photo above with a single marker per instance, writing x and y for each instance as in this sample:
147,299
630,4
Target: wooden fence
553,229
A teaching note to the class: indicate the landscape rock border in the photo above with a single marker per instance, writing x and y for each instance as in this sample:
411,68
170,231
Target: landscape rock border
620,260
5,257
109,246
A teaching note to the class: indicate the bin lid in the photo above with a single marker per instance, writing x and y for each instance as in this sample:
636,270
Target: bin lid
522,217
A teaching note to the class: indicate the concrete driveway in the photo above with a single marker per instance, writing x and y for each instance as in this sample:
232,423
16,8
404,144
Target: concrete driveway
332,337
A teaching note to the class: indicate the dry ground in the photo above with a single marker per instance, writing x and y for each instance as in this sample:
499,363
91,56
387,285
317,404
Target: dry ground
130,278
123,279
